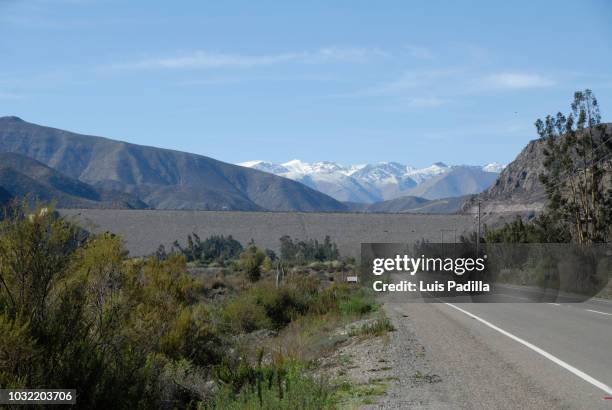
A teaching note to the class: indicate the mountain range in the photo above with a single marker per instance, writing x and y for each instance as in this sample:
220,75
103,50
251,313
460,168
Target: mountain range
160,178
83,171
372,183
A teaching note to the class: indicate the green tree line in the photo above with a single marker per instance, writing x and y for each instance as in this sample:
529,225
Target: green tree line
577,178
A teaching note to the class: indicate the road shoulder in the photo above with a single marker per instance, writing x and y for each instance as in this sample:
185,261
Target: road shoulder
438,362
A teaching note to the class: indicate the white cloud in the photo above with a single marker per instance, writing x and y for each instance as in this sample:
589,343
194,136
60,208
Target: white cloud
350,54
516,80
208,60
202,59
448,84
409,80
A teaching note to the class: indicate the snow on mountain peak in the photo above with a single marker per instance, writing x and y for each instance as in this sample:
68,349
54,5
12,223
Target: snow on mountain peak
494,167
296,165
363,182
381,173
251,164
354,168
304,168
264,166
422,174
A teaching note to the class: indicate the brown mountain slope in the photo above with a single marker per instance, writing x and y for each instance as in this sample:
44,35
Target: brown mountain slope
21,176
411,204
162,178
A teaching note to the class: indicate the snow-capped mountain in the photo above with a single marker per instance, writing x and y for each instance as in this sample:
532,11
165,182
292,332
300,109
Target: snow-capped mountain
370,183
494,167
265,166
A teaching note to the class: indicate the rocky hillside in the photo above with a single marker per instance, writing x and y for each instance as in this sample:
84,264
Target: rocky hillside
163,179
517,190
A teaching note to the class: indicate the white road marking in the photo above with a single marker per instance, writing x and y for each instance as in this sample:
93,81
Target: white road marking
556,304
544,353
597,311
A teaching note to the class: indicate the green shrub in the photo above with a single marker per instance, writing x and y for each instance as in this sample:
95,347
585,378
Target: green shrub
251,261
89,318
265,306
191,334
275,386
357,304
283,305
244,314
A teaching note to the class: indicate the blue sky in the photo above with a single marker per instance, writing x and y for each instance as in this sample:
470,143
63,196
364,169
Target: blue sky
346,81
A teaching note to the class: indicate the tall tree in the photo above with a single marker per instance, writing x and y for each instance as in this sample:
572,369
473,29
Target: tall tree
578,155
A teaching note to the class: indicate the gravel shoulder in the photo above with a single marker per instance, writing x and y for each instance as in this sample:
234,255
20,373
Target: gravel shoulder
415,381
440,360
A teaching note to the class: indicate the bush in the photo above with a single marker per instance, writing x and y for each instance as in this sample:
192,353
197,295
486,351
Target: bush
245,315
266,307
282,305
88,318
357,304
284,385
192,335
251,261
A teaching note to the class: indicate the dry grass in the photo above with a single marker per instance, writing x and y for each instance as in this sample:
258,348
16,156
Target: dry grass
379,327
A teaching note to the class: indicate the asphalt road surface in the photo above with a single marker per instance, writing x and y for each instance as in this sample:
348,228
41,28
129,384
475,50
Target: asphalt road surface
506,355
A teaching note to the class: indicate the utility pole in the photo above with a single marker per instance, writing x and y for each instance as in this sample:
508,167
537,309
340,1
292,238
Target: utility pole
478,236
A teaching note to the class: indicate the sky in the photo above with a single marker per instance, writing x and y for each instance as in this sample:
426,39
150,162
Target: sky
345,81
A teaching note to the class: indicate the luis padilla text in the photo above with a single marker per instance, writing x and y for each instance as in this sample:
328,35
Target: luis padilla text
422,286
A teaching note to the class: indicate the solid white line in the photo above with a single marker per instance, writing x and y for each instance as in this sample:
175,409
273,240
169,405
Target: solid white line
544,353
597,311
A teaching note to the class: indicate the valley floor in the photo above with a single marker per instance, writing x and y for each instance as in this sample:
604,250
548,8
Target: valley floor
144,230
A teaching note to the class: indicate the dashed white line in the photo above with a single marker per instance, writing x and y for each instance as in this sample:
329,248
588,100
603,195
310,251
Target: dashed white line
542,352
556,304
597,311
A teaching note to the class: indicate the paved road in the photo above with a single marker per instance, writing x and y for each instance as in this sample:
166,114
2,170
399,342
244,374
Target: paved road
510,355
